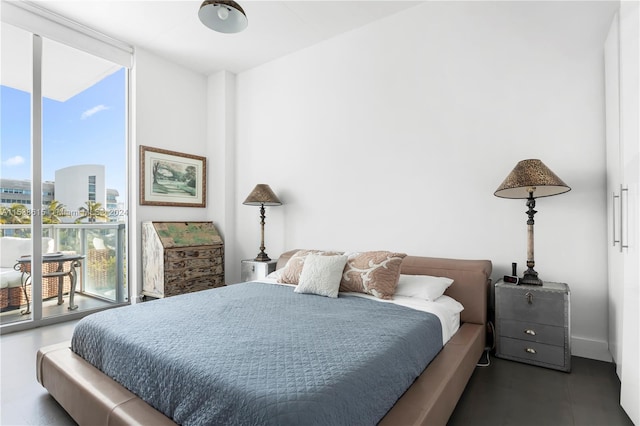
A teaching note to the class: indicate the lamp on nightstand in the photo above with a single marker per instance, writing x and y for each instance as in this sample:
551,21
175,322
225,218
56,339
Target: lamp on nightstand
531,179
262,195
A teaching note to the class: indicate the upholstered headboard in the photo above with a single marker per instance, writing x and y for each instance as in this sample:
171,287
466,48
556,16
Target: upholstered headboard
470,285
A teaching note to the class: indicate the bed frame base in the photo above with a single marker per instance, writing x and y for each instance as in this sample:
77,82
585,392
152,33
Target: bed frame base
434,395
88,395
92,398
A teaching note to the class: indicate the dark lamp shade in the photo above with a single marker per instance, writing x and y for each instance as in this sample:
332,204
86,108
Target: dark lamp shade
262,195
224,16
531,176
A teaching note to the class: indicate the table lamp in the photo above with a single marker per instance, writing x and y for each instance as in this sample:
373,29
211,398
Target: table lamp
531,179
262,195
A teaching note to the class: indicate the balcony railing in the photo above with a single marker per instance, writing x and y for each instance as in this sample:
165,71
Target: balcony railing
104,272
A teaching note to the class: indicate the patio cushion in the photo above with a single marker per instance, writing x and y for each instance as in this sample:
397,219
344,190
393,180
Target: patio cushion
10,278
11,248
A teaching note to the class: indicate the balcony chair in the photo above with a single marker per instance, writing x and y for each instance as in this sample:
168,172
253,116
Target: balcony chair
12,295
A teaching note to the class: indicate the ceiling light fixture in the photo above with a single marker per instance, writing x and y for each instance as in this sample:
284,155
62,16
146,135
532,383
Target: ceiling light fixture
224,16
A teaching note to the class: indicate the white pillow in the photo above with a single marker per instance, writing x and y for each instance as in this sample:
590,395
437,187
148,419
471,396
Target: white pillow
321,275
450,303
422,286
275,275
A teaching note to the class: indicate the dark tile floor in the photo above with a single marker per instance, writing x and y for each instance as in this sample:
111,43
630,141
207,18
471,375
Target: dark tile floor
512,393
505,393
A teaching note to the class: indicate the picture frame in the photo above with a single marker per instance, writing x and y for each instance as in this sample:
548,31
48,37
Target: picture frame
170,178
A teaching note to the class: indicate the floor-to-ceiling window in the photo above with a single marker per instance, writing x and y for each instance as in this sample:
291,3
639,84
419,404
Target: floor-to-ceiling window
63,171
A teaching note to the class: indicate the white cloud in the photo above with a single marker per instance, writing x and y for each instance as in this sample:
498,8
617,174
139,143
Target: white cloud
13,161
96,109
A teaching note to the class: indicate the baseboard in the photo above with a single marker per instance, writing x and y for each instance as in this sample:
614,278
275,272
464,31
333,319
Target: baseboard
592,349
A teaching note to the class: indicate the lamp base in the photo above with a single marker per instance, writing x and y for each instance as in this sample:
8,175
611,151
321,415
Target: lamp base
262,257
530,277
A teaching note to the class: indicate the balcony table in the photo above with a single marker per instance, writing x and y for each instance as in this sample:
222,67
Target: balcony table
24,266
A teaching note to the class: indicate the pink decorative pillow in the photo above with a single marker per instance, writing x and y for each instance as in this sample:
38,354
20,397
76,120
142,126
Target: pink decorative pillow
291,272
372,272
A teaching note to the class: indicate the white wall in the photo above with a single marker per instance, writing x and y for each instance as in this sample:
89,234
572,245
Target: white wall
170,112
395,136
221,157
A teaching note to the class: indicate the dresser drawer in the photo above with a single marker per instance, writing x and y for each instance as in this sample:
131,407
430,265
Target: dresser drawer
190,263
192,253
531,306
532,332
188,274
533,352
191,285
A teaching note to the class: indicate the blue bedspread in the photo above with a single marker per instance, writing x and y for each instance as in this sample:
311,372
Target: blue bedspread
260,354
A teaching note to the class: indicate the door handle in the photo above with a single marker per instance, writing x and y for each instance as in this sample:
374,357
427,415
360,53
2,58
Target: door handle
613,216
624,242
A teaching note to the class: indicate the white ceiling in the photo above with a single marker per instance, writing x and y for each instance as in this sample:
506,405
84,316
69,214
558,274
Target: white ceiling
172,30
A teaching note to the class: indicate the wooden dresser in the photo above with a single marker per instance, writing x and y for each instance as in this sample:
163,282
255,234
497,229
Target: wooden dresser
180,257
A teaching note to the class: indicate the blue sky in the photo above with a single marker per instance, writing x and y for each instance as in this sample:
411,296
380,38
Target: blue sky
89,128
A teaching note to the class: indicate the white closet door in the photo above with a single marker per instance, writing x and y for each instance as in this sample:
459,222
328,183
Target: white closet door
630,234
614,177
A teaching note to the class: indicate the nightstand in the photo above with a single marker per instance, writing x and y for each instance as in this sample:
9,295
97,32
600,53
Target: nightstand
532,324
252,270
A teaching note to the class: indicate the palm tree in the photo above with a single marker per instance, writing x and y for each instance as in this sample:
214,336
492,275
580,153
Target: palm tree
91,212
53,214
16,214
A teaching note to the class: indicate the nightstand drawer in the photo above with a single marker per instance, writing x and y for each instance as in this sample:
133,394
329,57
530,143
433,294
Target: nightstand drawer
531,351
533,332
532,306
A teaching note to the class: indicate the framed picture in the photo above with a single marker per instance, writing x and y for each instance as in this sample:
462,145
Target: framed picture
169,178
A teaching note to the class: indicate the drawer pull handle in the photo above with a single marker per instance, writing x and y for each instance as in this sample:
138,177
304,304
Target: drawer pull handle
530,350
529,297
530,332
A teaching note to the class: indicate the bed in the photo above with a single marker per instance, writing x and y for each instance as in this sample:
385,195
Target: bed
92,397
